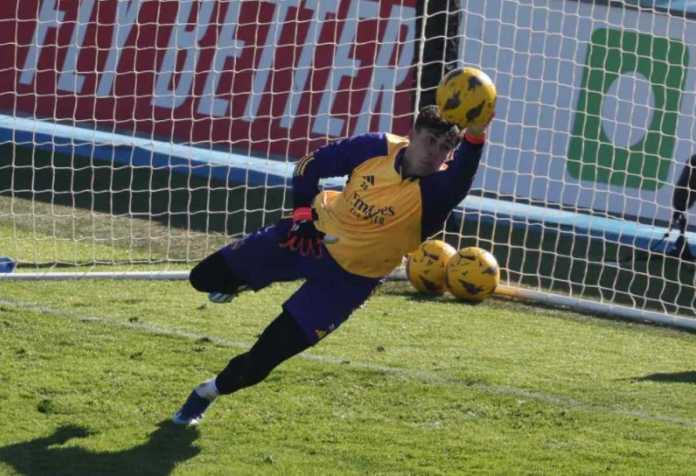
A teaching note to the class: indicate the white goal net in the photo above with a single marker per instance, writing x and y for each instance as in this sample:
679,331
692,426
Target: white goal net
140,136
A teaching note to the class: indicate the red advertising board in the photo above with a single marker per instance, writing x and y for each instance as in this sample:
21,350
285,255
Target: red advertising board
260,77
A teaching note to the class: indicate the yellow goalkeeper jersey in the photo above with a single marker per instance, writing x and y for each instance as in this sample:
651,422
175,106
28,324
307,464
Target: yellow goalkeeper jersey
380,215
376,219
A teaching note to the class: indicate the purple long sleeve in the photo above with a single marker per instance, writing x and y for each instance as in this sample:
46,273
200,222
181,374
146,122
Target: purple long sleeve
443,191
336,159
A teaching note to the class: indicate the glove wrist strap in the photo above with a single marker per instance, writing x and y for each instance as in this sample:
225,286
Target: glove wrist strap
302,214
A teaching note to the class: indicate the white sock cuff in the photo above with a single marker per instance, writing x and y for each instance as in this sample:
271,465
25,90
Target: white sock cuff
208,389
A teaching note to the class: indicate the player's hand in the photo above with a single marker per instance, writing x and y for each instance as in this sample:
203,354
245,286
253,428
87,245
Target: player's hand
478,130
303,235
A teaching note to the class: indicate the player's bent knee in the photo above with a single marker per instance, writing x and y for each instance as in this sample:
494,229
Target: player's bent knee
214,275
200,278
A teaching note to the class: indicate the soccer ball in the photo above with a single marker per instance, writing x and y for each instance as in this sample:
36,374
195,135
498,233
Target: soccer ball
426,266
466,96
472,274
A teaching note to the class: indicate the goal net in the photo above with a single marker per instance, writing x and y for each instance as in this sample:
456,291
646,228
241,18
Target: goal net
139,136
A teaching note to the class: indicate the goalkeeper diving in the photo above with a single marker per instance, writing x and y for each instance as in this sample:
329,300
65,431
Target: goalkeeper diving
400,191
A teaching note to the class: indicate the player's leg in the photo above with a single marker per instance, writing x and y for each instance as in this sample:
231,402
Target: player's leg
279,341
282,339
318,307
328,297
249,263
215,277
322,303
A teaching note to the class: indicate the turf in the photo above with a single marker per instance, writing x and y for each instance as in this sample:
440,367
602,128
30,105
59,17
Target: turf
92,370
406,386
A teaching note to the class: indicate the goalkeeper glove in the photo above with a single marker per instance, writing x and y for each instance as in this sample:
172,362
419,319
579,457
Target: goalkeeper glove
303,235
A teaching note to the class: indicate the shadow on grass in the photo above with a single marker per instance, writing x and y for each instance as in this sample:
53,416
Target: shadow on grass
406,292
673,377
166,447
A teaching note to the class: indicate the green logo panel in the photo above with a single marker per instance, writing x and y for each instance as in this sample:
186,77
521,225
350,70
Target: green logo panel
591,154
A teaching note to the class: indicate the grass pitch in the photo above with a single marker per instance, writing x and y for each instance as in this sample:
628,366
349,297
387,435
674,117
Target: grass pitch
91,372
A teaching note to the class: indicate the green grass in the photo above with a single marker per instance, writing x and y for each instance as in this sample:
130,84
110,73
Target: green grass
39,233
92,370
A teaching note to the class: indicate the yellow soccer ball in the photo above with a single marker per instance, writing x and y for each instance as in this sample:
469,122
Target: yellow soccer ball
426,266
466,96
472,274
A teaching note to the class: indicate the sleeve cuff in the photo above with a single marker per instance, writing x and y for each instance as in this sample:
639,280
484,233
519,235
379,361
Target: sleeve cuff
472,139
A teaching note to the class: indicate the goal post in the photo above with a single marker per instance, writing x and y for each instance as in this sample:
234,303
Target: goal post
137,137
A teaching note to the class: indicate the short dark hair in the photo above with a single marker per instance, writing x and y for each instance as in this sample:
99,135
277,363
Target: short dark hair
429,118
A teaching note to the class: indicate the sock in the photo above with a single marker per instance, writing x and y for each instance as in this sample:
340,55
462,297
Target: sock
208,390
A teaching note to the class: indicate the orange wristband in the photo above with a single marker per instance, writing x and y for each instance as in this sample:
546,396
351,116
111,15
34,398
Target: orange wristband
302,214
472,139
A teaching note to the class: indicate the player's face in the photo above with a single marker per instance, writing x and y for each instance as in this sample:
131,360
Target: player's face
427,152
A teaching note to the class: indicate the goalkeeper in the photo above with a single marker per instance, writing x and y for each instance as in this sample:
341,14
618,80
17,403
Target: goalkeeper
399,191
